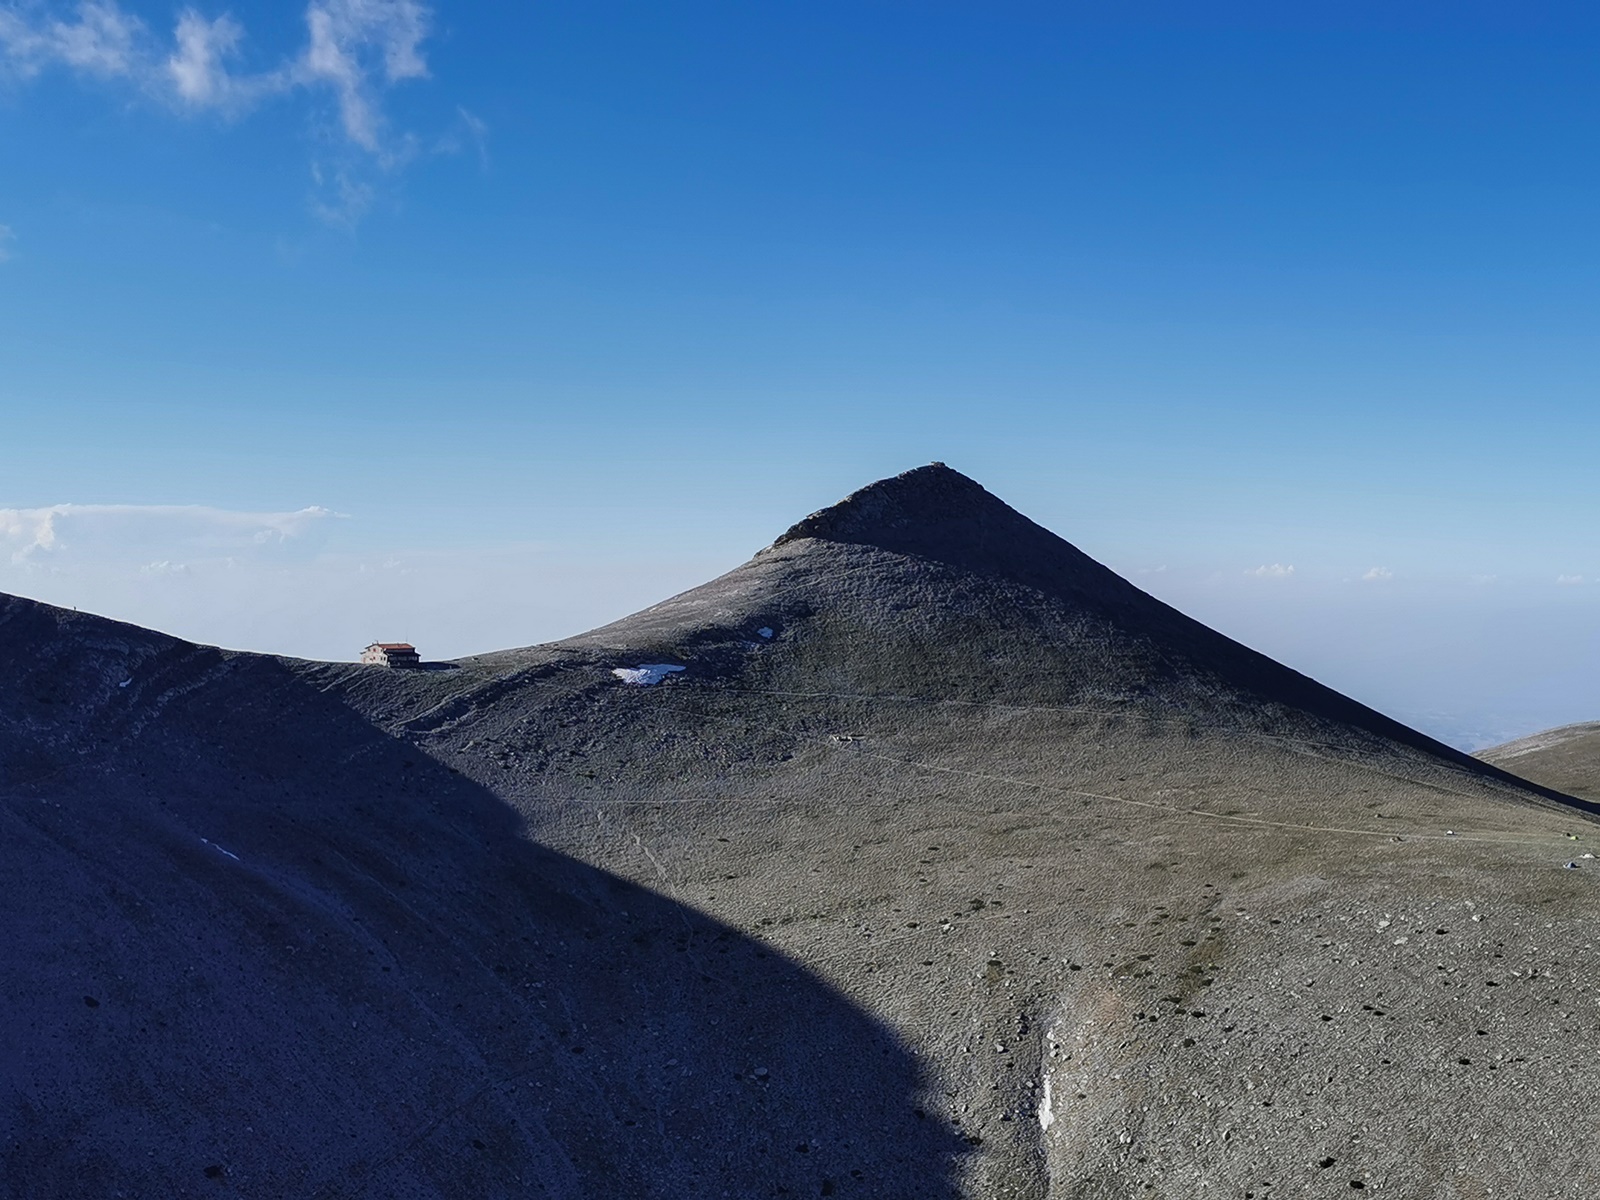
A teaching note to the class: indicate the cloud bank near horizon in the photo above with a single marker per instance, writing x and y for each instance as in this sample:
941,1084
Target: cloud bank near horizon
310,582
113,535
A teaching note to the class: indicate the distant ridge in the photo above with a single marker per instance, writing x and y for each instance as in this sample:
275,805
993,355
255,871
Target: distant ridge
1566,758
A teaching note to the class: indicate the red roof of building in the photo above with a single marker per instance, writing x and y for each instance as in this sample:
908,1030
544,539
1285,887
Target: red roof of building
392,646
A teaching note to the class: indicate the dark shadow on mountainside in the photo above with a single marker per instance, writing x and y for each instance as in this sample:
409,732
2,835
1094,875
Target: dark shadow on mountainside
256,946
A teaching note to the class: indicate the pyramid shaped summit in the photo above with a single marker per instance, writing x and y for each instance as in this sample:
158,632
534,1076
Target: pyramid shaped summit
922,504
925,585
937,513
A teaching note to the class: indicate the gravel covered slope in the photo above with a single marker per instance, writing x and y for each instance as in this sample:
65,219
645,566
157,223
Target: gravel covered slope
947,864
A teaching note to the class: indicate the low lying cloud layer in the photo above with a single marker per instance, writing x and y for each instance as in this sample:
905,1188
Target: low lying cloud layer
109,535
354,52
1469,657
311,583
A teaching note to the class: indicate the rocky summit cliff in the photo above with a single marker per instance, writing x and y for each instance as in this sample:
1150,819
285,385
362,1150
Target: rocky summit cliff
920,856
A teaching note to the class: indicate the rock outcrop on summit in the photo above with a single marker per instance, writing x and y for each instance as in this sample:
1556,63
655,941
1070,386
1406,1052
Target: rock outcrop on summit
920,856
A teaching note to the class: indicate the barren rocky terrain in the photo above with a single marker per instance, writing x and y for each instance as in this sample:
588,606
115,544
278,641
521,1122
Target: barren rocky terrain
946,863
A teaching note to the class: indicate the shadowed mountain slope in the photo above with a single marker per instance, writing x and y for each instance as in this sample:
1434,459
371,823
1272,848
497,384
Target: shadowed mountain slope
944,863
256,945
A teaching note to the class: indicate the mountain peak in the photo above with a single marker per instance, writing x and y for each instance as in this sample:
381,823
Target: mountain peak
937,513
926,508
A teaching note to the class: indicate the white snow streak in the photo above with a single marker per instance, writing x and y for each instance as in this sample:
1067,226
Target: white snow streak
644,676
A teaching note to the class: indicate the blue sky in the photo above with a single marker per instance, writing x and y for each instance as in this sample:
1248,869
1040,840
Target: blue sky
545,311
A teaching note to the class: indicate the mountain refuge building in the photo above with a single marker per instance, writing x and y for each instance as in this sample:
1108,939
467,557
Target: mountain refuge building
391,654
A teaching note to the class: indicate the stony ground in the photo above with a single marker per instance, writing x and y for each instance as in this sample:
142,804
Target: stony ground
948,864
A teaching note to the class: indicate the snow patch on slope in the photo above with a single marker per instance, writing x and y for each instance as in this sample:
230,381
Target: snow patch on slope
644,676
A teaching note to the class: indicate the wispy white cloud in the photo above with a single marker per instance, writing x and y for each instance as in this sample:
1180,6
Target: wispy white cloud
357,46
470,131
1378,573
339,197
98,39
1569,580
130,534
1273,571
6,238
355,51
197,68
